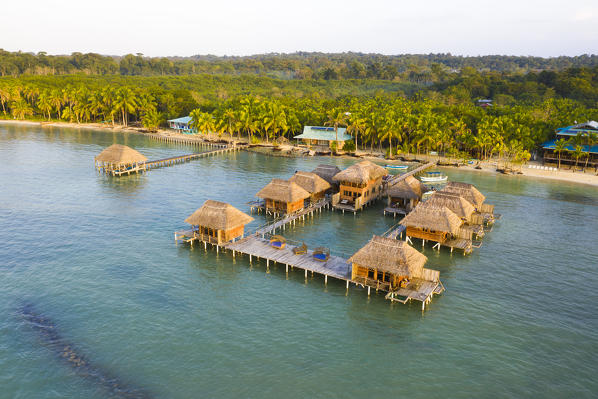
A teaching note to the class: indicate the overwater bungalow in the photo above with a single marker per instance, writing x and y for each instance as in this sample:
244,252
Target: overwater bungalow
217,223
394,266
327,172
119,159
312,183
404,196
283,197
474,196
359,185
437,224
460,207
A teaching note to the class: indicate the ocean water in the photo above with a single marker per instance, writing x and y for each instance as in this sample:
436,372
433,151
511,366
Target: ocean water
95,257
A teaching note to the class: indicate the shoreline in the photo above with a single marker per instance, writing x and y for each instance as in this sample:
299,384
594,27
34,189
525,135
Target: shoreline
486,167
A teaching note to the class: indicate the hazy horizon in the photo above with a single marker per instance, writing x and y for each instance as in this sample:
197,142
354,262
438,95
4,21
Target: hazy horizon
180,28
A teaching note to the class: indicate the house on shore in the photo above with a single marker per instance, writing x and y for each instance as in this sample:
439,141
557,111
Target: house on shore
359,185
182,125
320,138
588,133
283,197
217,223
312,183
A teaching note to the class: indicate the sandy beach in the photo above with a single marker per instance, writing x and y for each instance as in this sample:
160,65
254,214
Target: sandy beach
527,171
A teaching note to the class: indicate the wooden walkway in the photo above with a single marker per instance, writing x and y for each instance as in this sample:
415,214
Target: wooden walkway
284,220
188,157
395,179
191,140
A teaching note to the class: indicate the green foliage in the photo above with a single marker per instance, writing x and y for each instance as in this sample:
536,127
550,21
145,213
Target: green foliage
333,146
349,146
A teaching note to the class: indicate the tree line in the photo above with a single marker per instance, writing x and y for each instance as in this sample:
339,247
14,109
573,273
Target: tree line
418,68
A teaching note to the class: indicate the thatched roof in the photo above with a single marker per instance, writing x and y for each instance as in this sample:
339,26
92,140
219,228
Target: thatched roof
310,182
467,191
120,154
390,255
219,216
409,187
429,217
459,205
283,191
360,173
326,172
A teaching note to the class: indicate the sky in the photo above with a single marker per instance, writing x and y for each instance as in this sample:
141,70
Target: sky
544,28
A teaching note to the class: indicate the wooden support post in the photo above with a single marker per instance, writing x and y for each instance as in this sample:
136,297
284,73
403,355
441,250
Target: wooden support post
287,268
305,273
347,284
369,290
217,248
325,279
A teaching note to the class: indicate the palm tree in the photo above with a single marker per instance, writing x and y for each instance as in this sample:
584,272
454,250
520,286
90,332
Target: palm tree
4,97
559,146
591,139
44,104
125,103
20,108
229,119
336,119
356,127
577,153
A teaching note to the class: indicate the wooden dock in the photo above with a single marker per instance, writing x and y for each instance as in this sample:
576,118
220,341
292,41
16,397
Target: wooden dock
159,163
193,140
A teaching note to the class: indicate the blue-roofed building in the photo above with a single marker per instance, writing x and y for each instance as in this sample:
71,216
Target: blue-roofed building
182,125
323,136
585,130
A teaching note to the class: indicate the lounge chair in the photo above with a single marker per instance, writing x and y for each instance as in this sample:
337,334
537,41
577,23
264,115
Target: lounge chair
321,254
278,242
300,250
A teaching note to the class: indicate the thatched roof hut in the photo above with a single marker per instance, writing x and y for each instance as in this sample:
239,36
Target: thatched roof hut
459,205
391,256
326,172
433,218
118,154
218,216
310,182
360,173
409,187
467,191
283,191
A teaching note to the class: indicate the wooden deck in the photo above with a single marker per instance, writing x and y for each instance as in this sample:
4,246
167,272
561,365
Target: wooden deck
258,247
395,211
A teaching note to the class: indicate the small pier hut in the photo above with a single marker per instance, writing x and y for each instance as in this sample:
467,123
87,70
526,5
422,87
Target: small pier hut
119,159
327,172
312,183
217,223
437,224
359,185
404,195
283,197
473,195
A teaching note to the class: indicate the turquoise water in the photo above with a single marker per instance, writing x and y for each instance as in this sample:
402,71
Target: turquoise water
96,256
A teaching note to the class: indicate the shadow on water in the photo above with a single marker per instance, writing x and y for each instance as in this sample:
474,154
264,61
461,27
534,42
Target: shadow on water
127,185
67,352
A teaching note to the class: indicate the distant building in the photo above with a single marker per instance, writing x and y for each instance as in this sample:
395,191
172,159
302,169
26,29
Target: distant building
484,103
323,137
182,125
568,133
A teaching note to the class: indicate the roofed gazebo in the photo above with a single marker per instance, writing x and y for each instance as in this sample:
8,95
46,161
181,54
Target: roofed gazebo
218,222
283,197
312,183
119,159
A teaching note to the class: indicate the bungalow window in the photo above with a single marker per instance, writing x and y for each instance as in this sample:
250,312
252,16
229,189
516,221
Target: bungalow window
371,273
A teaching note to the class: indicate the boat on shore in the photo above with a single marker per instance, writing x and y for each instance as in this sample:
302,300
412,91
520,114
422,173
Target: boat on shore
434,177
397,167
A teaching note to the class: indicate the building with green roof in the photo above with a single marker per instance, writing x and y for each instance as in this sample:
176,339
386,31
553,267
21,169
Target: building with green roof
323,136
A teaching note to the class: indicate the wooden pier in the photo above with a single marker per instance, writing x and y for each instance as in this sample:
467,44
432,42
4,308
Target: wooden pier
188,157
190,140
395,179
